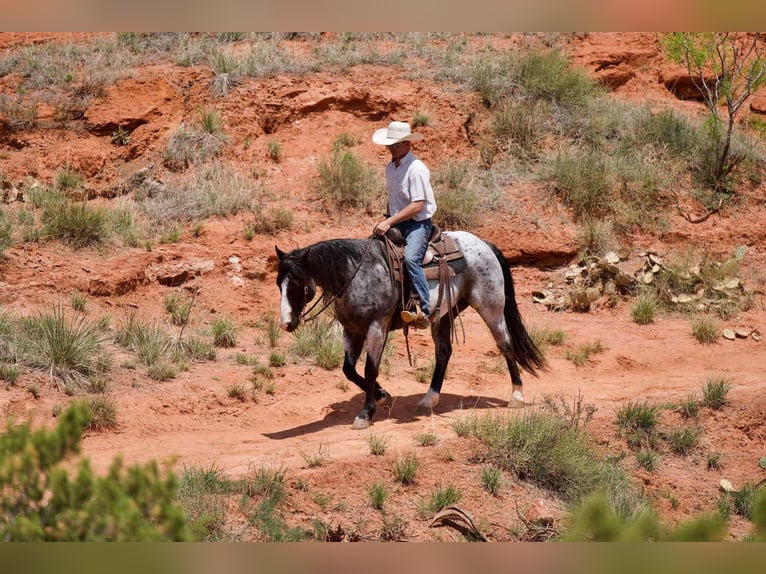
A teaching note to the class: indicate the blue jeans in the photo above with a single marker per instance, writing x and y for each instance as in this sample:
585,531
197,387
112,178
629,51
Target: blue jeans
416,235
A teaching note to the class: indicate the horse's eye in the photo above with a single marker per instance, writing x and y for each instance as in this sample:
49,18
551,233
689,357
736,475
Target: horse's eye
305,289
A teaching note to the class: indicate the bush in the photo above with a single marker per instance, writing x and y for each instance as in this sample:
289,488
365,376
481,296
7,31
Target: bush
345,182
456,198
78,224
70,348
42,501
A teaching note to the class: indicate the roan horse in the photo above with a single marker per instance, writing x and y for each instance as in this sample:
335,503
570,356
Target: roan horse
354,277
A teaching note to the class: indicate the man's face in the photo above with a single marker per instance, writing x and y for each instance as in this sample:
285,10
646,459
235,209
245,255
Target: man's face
398,150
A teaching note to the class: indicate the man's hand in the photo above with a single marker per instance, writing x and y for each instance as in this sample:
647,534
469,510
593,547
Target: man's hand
382,227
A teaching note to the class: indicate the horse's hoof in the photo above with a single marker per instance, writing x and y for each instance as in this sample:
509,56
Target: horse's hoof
386,401
360,423
517,400
428,402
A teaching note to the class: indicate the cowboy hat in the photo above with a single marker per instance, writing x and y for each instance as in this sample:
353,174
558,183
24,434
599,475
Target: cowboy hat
395,132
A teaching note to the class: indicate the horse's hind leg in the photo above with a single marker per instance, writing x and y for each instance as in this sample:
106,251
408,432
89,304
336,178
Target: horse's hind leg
443,345
499,329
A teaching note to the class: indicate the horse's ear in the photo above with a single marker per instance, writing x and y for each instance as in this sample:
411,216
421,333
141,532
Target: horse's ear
280,254
305,256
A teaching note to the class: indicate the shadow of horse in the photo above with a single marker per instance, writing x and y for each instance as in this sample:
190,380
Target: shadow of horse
403,410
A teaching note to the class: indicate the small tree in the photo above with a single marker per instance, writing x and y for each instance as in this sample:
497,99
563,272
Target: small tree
40,501
726,68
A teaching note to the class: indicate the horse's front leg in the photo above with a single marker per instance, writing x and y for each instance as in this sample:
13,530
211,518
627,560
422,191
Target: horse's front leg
443,346
374,394
352,345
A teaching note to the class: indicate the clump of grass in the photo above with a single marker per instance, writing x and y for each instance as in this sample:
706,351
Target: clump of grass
463,425
637,422
682,440
582,353
442,497
77,223
647,459
274,150
378,495
545,336
715,393
316,459
596,236
713,460
103,413
192,144
70,348
68,179
148,341
378,444
426,439
545,449
277,360
457,199
227,74
202,494
273,331
322,340
420,119
705,330
344,140
406,468
179,308
690,407
345,182
224,332
491,479
78,301
644,308
9,373
237,391
424,374
161,372
269,222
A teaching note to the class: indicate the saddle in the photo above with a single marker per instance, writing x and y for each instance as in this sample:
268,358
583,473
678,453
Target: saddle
442,261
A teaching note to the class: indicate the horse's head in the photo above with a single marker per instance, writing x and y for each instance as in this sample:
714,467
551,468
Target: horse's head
296,287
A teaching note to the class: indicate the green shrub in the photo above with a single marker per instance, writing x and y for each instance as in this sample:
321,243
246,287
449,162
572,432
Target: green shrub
322,340
647,459
345,182
682,440
457,200
491,479
69,348
45,499
645,307
715,393
224,332
274,149
377,444
705,330
442,497
103,413
378,495
543,448
406,468
78,223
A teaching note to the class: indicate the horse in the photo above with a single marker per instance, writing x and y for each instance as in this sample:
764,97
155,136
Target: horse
355,279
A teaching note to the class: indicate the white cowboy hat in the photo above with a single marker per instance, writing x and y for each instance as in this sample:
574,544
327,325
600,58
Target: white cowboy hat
395,132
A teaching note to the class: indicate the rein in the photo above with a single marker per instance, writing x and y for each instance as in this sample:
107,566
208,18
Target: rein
304,316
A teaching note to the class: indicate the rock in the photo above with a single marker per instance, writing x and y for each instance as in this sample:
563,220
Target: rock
726,485
612,258
756,335
729,334
758,104
178,273
539,513
742,332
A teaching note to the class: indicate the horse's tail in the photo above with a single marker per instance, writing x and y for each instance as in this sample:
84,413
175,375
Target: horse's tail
528,355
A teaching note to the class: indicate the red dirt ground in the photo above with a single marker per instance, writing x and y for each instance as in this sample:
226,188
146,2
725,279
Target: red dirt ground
191,420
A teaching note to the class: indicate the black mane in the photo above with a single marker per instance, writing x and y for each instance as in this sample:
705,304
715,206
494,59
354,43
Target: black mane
331,263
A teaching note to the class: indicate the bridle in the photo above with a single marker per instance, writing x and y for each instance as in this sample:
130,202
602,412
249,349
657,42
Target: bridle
330,300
